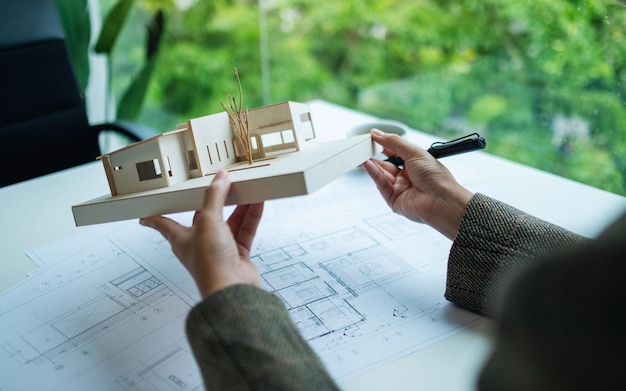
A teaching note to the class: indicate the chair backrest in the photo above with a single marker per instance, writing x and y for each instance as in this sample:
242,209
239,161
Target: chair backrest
43,121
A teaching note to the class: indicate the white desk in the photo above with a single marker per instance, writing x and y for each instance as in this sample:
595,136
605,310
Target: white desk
38,211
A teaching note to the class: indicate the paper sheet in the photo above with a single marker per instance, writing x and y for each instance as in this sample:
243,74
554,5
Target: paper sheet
106,309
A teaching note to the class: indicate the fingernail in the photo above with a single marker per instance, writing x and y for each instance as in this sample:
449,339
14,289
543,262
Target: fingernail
377,132
221,175
144,223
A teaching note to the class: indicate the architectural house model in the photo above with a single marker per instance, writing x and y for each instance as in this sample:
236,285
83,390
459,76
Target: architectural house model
168,173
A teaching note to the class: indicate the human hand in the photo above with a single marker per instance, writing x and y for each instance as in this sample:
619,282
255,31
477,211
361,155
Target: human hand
215,252
424,191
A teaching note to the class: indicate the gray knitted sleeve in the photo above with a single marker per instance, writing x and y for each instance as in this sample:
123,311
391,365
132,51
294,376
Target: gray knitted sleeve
494,241
243,339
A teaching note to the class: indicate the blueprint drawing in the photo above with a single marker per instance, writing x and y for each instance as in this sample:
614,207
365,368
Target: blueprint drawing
95,320
106,309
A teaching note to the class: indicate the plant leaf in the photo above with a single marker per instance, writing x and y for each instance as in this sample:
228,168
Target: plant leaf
74,17
112,26
132,100
155,33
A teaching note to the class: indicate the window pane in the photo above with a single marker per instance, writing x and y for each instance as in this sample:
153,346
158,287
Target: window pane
191,158
147,170
287,136
551,75
271,139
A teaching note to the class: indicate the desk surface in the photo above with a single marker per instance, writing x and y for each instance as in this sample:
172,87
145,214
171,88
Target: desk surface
38,211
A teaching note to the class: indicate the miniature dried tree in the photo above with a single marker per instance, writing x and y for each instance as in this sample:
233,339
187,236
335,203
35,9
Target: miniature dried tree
238,116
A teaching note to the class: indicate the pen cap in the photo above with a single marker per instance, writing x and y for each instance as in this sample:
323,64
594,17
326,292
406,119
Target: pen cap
468,143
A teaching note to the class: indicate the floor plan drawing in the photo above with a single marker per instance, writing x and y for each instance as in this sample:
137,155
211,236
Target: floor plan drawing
106,309
352,298
84,321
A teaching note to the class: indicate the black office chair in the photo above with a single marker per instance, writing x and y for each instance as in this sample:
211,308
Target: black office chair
43,119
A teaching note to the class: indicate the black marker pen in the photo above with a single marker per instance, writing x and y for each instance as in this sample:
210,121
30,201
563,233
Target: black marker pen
439,149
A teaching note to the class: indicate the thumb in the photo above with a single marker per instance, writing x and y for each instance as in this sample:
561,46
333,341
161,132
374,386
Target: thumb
216,193
395,145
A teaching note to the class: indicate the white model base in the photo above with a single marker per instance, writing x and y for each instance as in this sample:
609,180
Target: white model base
294,174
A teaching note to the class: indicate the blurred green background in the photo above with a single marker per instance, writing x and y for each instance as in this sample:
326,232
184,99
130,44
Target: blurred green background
544,82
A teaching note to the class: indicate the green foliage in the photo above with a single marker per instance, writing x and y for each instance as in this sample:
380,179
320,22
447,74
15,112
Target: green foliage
131,102
505,67
76,23
112,26
74,17
594,166
487,108
197,69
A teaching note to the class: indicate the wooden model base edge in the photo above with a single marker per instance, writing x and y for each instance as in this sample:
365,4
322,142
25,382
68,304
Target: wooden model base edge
295,174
